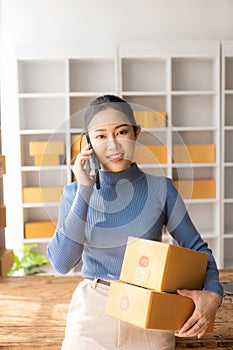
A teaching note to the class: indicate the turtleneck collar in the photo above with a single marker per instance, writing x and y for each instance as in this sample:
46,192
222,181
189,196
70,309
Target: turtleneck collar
112,178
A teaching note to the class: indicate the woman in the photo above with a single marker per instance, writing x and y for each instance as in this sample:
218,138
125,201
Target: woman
94,225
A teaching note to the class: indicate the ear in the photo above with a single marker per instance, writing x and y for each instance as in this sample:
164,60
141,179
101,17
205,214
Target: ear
137,132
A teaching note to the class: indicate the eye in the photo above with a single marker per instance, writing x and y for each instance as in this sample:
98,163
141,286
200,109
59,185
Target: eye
100,136
122,132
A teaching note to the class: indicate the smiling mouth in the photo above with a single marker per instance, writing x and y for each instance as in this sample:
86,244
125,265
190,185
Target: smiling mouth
116,157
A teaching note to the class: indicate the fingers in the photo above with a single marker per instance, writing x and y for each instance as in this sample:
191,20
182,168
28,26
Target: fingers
195,326
82,157
79,167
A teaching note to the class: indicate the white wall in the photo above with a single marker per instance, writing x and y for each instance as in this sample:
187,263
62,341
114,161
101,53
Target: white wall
57,22
36,20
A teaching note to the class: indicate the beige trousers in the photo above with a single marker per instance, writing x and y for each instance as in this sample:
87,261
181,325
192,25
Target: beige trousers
89,328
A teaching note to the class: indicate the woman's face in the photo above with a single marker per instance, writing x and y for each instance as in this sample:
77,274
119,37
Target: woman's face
113,139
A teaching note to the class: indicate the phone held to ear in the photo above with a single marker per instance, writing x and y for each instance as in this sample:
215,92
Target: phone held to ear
93,165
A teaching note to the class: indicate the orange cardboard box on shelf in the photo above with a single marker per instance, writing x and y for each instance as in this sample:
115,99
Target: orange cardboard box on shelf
2,165
151,119
46,147
6,260
149,154
42,194
148,308
196,189
154,265
194,153
75,145
47,159
2,216
39,229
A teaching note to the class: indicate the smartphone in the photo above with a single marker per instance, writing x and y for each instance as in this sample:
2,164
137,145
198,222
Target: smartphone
93,165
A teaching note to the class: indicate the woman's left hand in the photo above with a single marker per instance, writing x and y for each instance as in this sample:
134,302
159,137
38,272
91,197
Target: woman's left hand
206,306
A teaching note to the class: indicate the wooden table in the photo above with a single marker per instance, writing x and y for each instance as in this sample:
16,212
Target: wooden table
33,314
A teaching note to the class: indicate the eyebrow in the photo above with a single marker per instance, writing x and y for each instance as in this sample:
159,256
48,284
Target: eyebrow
117,127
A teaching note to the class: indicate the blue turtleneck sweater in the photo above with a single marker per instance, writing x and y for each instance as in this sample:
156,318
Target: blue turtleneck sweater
94,225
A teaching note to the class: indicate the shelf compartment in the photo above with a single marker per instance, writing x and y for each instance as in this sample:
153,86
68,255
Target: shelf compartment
196,214
154,103
39,229
204,137
155,169
228,249
229,109
228,184
78,106
228,218
143,74
88,75
228,146
150,154
229,73
26,158
42,194
41,76
42,113
55,177
193,74
196,110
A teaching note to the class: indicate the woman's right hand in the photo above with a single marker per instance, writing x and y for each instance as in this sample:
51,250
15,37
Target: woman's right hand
79,168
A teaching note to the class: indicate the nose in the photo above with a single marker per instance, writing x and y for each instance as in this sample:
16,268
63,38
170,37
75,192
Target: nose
112,142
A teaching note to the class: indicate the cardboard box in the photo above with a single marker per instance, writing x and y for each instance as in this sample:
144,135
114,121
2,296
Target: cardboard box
150,154
6,261
163,267
151,119
42,194
39,229
2,165
148,308
196,189
46,147
75,145
194,153
47,159
2,216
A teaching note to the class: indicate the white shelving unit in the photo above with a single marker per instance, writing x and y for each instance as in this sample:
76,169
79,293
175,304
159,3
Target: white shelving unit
182,79
227,154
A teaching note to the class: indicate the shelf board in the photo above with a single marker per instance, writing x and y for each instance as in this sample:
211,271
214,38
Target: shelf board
90,93
228,92
228,128
201,201
44,168
194,165
195,128
41,131
42,95
193,92
144,93
36,240
228,164
153,165
228,200
40,205
228,235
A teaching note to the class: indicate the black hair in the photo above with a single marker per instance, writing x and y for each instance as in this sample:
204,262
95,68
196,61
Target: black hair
104,102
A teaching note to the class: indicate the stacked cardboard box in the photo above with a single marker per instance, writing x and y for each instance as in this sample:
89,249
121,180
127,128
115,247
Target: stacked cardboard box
39,229
6,255
151,119
194,153
42,194
151,274
148,154
196,189
46,153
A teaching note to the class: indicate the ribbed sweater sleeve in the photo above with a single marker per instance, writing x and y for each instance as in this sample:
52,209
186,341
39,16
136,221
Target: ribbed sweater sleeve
66,247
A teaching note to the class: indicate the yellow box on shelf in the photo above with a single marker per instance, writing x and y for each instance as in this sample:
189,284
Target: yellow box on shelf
149,154
194,153
46,159
154,265
151,119
46,147
42,194
2,216
148,308
196,189
2,165
6,260
39,229
75,145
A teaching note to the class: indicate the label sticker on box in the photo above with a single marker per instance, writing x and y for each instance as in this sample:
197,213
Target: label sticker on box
144,261
124,303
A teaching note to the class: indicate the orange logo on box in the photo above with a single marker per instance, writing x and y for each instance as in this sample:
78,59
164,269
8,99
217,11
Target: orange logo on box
124,303
144,261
